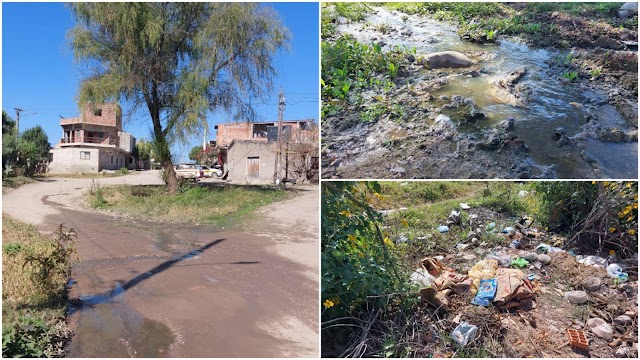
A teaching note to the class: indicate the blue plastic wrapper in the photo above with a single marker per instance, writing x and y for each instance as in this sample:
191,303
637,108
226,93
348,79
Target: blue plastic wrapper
480,301
487,289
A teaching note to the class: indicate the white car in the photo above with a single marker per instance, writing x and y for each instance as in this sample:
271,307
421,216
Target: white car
210,172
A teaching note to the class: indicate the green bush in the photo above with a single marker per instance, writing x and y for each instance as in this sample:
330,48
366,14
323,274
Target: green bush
123,170
357,262
348,65
31,336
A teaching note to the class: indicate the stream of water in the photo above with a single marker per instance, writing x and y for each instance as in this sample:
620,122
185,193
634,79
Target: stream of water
554,103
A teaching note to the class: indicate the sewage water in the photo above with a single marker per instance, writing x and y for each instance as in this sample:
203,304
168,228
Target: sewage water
553,104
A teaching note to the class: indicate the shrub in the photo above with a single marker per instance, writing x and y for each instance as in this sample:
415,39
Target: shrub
123,170
357,261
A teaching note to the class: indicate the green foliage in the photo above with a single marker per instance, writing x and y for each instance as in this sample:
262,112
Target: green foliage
449,10
595,73
9,146
11,249
195,152
144,150
123,171
30,336
349,65
181,61
576,8
357,262
56,262
597,212
571,76
352,10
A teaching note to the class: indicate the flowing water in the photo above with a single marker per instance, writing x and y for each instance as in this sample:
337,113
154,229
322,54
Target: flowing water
554,103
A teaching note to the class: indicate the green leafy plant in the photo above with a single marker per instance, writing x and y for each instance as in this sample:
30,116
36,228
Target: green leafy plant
571,76
56,262
11,249
595,73
123,171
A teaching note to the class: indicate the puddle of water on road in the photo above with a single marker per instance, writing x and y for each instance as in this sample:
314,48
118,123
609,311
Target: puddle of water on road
106,327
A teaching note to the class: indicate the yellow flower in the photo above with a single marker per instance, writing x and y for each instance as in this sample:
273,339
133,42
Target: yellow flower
378,195
629,185
635,197
345,213
388,242
632,232
351,237
630,218
612,252
593,182
360,254
635,206
404,222
612,229
606,183
328,303
621,214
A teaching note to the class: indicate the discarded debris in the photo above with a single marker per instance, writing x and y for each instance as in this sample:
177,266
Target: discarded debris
519,262
601,328
443,229
465,206
513,290
577,338
464,333
576,297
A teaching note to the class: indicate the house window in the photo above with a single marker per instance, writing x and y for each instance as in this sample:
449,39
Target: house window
85,155
97,112
112,159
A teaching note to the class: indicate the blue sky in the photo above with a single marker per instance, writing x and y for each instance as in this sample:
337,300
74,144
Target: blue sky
40,76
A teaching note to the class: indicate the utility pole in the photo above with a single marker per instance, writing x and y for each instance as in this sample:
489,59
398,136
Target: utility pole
18,110
281,107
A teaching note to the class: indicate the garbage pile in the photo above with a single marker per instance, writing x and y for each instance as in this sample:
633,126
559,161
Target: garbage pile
525,270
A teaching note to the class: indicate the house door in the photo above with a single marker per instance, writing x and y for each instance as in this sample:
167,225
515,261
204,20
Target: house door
253,168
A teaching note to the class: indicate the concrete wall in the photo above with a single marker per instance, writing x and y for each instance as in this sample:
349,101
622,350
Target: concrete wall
127,141
67,161
111,116
238,160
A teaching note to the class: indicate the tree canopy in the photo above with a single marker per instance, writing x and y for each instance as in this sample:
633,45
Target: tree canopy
194,154
179,60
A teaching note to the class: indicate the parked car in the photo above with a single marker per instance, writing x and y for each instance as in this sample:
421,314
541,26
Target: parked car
189,171
210,172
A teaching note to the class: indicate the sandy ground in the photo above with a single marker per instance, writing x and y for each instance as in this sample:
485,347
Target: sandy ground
156,290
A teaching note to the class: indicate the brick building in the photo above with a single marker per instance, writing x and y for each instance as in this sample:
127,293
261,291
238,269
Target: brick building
248,151
93,142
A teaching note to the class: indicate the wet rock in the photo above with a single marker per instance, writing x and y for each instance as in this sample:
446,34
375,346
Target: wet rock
464,109
511,79
600,328
576,297
443,122
508,125
397,170
472,74
592,283
623,320
564,141
544,259
558,132
628,9
447,59
410,58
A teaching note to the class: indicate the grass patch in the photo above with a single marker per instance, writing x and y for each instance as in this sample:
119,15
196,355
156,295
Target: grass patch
219,206
15,182
33,292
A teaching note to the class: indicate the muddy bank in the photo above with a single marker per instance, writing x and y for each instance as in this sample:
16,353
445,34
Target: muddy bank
512,112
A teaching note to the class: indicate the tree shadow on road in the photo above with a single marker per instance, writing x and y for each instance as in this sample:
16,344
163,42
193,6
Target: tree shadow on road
120,288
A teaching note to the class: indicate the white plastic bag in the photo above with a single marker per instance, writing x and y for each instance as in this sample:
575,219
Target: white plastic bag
464,333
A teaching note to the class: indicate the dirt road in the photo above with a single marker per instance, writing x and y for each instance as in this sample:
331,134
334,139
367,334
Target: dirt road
160,290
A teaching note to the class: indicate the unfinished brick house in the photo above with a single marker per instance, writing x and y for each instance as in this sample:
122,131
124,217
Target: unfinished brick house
248,151
93,142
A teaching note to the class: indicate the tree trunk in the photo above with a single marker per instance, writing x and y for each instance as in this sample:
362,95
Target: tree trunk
170,176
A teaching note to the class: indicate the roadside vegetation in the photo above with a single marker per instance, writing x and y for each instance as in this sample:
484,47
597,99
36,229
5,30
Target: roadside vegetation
35,271
221,206
23,155
374,234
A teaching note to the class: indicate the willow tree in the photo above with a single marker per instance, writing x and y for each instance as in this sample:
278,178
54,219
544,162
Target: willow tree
181,61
